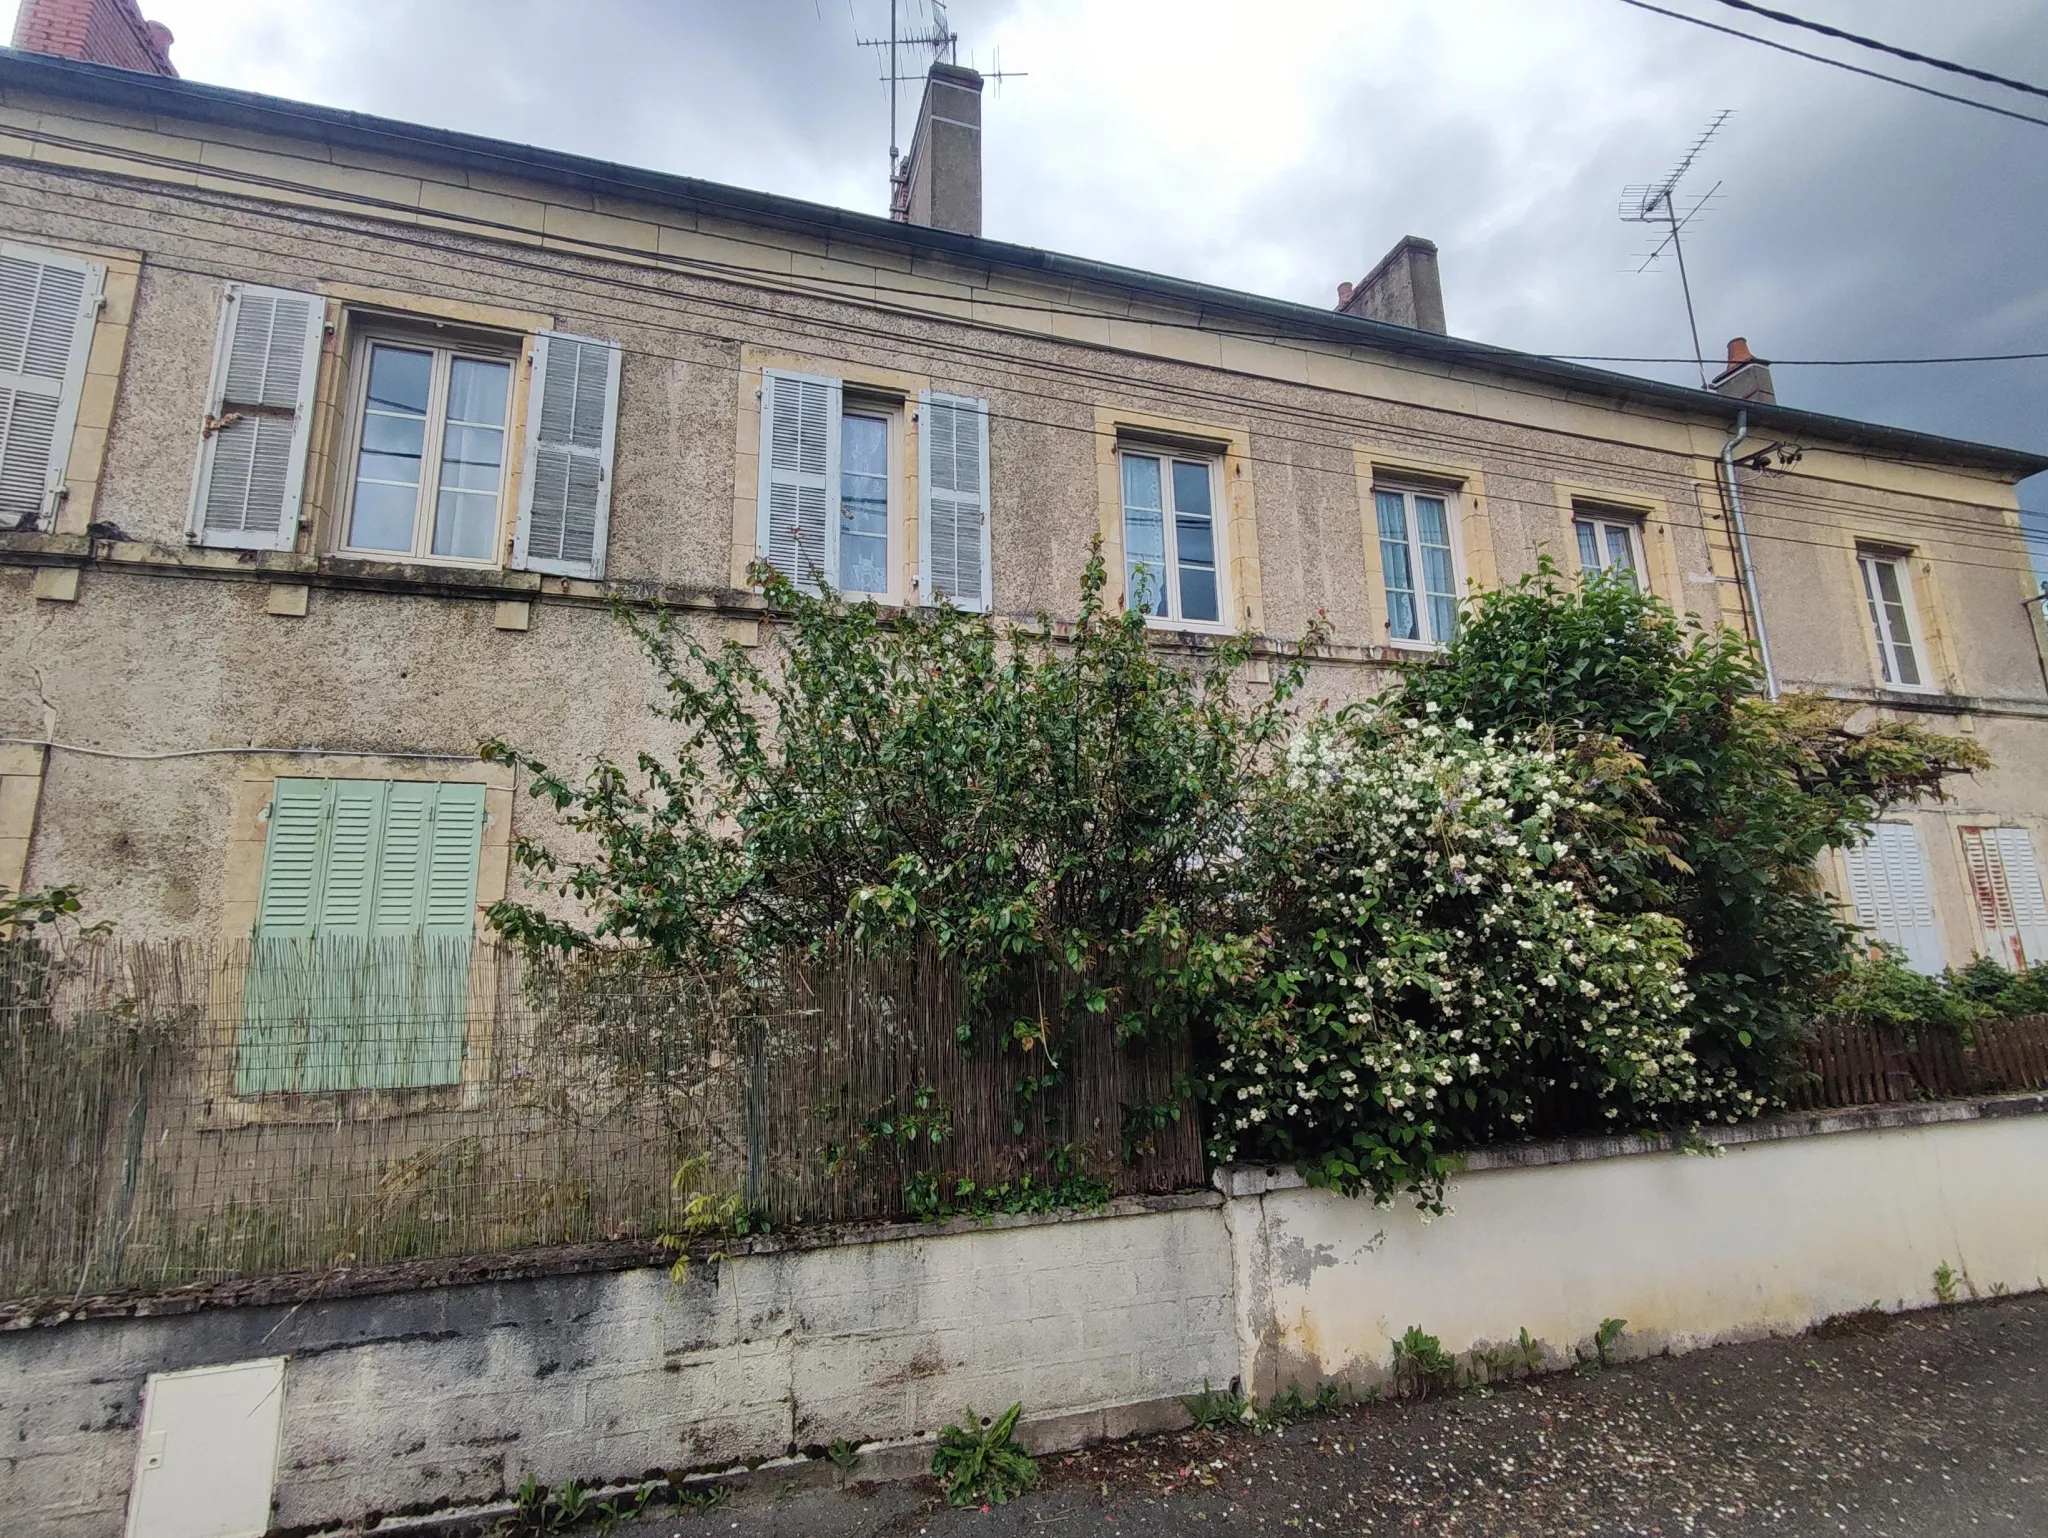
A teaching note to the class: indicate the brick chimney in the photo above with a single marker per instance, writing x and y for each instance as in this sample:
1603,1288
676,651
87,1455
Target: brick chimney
939,183
97,31
1746,376
1404,290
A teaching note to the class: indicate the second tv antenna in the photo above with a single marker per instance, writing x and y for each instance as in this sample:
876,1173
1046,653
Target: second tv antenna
1656,203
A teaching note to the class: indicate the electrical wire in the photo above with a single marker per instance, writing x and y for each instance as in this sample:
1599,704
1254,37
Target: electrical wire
801,330
743,277
73,747
1854,69
1984,357
1898,53
1425,440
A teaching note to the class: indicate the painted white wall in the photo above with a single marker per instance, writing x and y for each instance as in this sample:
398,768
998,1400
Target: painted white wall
1690,1249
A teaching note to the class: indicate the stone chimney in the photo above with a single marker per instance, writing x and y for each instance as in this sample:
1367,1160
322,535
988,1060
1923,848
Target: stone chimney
1746,377
939,183
97,31
1404,290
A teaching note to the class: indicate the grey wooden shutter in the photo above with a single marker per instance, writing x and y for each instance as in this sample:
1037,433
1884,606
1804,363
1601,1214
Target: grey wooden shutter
252,460
953,533
48,302
799,472
565,495
1893,898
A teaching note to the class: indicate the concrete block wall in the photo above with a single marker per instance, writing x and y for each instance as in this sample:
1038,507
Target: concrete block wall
1785,1223
453,1395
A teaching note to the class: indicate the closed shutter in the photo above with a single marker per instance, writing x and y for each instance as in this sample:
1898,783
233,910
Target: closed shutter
799,466
953,541
2005,880
359,973
48,302
1893,898
252,462
565,494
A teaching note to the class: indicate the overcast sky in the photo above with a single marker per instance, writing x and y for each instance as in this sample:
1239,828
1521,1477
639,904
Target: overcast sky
1282,147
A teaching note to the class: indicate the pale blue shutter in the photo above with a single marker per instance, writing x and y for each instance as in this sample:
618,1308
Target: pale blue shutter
953,492
799,475
565,491
48,302
252,461
275,1006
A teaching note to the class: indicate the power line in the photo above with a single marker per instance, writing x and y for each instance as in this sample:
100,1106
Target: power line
1987,357
1898,53
1854,69
1435,440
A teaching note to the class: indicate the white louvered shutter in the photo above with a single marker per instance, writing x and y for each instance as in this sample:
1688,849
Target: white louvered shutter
799,475
565,496
953,538
2005,880
252,462
1892,895
48,302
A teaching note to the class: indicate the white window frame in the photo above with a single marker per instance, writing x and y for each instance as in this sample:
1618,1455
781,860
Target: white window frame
1603,521
890,409
1168,457
1408,491
1868,559
445,350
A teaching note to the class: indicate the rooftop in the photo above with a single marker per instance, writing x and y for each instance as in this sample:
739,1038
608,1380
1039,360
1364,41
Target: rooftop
192,101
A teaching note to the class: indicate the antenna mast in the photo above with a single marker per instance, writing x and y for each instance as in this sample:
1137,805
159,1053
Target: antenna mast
1657,202
944,43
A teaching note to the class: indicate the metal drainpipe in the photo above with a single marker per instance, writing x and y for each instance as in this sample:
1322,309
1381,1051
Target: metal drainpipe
1756,604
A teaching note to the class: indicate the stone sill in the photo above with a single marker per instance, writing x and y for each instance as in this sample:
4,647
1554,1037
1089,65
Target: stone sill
1240,1180
540,1261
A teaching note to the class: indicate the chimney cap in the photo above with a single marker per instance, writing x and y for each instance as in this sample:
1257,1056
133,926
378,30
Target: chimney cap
1344,292
1739,353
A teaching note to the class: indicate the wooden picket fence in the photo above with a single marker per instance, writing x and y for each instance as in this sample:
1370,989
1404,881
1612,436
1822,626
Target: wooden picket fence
1846,1063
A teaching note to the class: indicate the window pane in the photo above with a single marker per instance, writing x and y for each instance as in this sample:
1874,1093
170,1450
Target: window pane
1144,535
863,504
1194,541
1395,569
1884,650
394,438
466,524
1198,593
1589,546
472,459
400,380
1439,582
382,519
476,391
1621,552
1190,488
1891,588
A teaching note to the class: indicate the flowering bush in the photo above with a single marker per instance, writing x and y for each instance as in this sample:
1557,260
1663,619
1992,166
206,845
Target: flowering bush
1442,960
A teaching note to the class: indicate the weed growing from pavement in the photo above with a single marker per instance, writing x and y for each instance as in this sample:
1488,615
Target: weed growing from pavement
845,1454
981,1463
1421,1365
539,1509
1217,1407
1944,1284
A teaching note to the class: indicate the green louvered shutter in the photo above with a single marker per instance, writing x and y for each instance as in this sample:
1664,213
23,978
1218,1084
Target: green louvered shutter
275,1013
359,977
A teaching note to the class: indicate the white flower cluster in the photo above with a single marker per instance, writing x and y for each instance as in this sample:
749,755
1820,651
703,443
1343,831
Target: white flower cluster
1460,967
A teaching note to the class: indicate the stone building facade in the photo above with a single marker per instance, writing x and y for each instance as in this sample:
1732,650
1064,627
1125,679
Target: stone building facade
331,439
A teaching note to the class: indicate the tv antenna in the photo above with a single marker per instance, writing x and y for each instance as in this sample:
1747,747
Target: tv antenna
1657,203
944,43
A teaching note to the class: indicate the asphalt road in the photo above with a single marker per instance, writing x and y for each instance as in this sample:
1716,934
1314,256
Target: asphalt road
1925,1425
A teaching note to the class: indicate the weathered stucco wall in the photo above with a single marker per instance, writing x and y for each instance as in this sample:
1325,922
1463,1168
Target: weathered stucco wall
1762,1237
167,648
452,1396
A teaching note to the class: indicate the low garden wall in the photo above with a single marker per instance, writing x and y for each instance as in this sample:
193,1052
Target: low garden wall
405,1390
